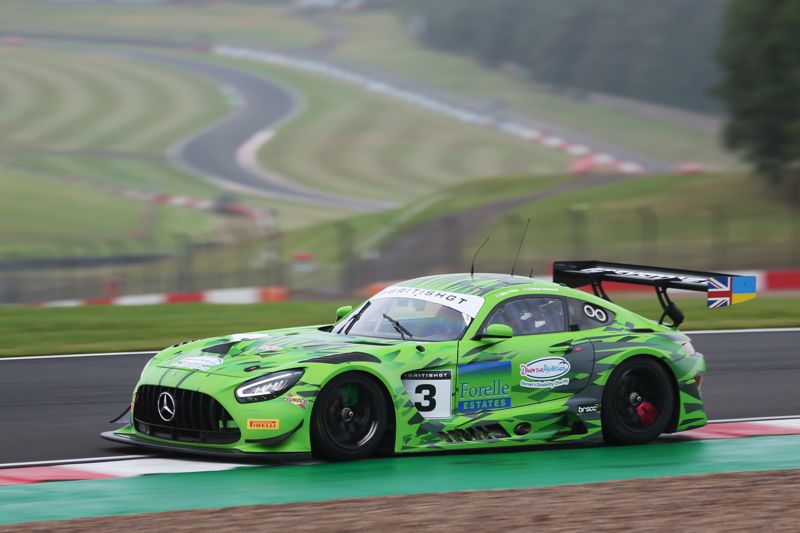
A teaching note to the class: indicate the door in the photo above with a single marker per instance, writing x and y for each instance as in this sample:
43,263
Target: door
543,360
430,389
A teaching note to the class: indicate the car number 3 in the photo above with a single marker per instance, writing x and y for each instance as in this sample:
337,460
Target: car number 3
428,396
430,392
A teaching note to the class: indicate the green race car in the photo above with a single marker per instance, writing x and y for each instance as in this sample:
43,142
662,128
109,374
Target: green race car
444,362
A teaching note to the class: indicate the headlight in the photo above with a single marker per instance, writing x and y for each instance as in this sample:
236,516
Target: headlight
268,387
689,349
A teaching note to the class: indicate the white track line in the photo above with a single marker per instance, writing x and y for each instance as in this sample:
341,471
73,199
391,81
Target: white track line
154,465
64,356
755,419
753,330
55,462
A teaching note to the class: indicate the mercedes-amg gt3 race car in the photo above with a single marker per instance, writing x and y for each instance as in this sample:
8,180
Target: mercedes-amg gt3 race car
444,362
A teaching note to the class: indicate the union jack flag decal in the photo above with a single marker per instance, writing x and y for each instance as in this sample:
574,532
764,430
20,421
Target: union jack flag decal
719,291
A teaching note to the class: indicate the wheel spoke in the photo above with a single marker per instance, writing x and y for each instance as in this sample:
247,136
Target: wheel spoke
351,418
637,399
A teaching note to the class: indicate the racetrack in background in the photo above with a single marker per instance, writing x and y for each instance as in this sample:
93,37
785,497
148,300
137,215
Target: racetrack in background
55,408
350,144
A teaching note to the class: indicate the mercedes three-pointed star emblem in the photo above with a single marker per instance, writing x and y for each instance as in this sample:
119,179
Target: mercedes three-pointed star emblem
166,406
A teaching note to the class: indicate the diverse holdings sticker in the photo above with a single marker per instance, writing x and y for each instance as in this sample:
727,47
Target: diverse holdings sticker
545,373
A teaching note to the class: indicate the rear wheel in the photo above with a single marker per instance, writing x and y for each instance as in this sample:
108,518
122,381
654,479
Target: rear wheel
638,402
349,418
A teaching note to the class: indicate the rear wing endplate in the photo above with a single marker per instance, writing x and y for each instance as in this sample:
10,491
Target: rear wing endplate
722,289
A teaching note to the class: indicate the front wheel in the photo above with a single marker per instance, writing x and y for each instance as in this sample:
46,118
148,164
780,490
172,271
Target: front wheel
638,402
349,418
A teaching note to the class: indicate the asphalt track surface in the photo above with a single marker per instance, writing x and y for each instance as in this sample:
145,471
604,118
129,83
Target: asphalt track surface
56,408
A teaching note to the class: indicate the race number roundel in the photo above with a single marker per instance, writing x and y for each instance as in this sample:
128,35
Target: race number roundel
430,391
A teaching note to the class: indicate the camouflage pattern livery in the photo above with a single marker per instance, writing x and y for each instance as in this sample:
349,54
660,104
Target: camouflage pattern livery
528,389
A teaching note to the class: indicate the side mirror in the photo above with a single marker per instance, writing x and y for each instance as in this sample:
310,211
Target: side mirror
497,331
343,312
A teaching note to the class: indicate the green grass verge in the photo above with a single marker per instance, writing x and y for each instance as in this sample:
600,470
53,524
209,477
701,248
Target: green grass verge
380,39
100,117
350,141
91,115
27,331
772,311
333,242
376,38
78,100
722,221
32,331
43,216
185,21
757,229
368,232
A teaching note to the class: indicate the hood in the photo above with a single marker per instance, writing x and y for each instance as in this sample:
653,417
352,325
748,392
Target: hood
248,354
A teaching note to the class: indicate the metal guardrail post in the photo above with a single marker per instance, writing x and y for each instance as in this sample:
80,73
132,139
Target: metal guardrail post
719,237
514,224
649,227
346,259
182,278
794,235
453,244
578,223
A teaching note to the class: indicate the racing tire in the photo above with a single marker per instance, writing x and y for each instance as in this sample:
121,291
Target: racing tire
638,402
349,418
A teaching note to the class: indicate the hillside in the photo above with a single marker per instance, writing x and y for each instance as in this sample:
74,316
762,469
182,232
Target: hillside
659,52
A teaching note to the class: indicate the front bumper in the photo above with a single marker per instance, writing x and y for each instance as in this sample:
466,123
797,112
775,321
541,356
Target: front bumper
133,439
276,426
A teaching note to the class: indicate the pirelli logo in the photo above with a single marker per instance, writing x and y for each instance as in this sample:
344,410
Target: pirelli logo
263,423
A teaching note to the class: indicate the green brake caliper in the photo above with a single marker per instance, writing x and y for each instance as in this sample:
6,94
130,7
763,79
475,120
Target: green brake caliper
349,395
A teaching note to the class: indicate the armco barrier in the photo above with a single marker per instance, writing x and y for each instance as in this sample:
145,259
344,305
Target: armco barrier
781,280
766,281
247,295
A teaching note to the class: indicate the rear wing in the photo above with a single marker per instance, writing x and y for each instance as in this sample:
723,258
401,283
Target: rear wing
722,289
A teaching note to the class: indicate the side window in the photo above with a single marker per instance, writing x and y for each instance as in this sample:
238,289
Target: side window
530,316
584,315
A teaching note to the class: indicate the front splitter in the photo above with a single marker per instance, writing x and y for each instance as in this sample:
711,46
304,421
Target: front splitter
197,450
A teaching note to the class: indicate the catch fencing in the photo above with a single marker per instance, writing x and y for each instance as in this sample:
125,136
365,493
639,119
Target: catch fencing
343,258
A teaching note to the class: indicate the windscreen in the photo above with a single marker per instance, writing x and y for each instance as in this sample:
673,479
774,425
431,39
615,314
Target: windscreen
405,319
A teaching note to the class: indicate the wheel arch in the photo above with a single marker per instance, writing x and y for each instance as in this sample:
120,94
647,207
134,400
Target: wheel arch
662,360
391,423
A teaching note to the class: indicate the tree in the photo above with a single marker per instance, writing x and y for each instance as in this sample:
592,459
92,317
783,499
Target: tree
760,57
